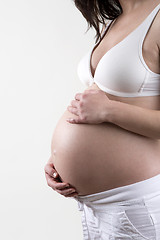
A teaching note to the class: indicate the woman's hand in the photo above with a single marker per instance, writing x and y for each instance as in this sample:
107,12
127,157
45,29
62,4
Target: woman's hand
91,106
55,183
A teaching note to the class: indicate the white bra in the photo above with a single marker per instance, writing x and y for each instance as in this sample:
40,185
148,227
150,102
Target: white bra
122,71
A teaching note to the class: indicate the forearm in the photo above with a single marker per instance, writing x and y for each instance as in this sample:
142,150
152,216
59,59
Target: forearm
136,119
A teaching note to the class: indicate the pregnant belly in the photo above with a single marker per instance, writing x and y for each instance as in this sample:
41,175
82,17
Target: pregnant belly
99,157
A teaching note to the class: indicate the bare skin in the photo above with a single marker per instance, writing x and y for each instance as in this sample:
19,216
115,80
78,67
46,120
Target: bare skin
151,55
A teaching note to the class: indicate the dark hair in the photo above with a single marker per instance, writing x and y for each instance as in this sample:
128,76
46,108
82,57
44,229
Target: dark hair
97,11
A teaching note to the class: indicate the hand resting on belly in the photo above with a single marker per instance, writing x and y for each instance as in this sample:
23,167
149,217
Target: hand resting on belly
54,181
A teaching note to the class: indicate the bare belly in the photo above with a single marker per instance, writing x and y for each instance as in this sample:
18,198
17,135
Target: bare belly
99,157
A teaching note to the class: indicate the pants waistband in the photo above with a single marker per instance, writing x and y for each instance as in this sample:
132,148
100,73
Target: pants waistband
124,193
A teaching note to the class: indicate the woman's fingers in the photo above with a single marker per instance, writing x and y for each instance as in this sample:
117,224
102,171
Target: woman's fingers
50,170
66,192
73,110
60,187
72,194
55,184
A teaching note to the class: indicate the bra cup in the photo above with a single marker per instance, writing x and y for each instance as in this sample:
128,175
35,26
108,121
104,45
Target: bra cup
82,71
119,72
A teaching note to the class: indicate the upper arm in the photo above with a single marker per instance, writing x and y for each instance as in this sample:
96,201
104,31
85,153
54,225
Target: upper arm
158,41
157,27
157,33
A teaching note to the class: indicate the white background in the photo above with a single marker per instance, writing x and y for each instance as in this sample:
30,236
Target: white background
41,43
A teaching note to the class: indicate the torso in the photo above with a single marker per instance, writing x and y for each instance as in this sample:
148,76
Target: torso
99,157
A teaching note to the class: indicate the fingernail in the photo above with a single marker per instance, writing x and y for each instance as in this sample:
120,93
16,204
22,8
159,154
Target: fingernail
54,151
54,175
70,119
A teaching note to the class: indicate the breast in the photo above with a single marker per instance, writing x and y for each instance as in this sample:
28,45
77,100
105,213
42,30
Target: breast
83,70
121,70
89,155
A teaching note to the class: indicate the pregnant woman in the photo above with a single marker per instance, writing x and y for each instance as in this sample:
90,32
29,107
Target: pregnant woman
105,150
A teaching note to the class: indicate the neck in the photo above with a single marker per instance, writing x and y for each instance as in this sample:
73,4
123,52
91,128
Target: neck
129,6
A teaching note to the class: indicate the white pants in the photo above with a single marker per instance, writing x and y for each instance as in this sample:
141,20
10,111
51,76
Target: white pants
123,213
